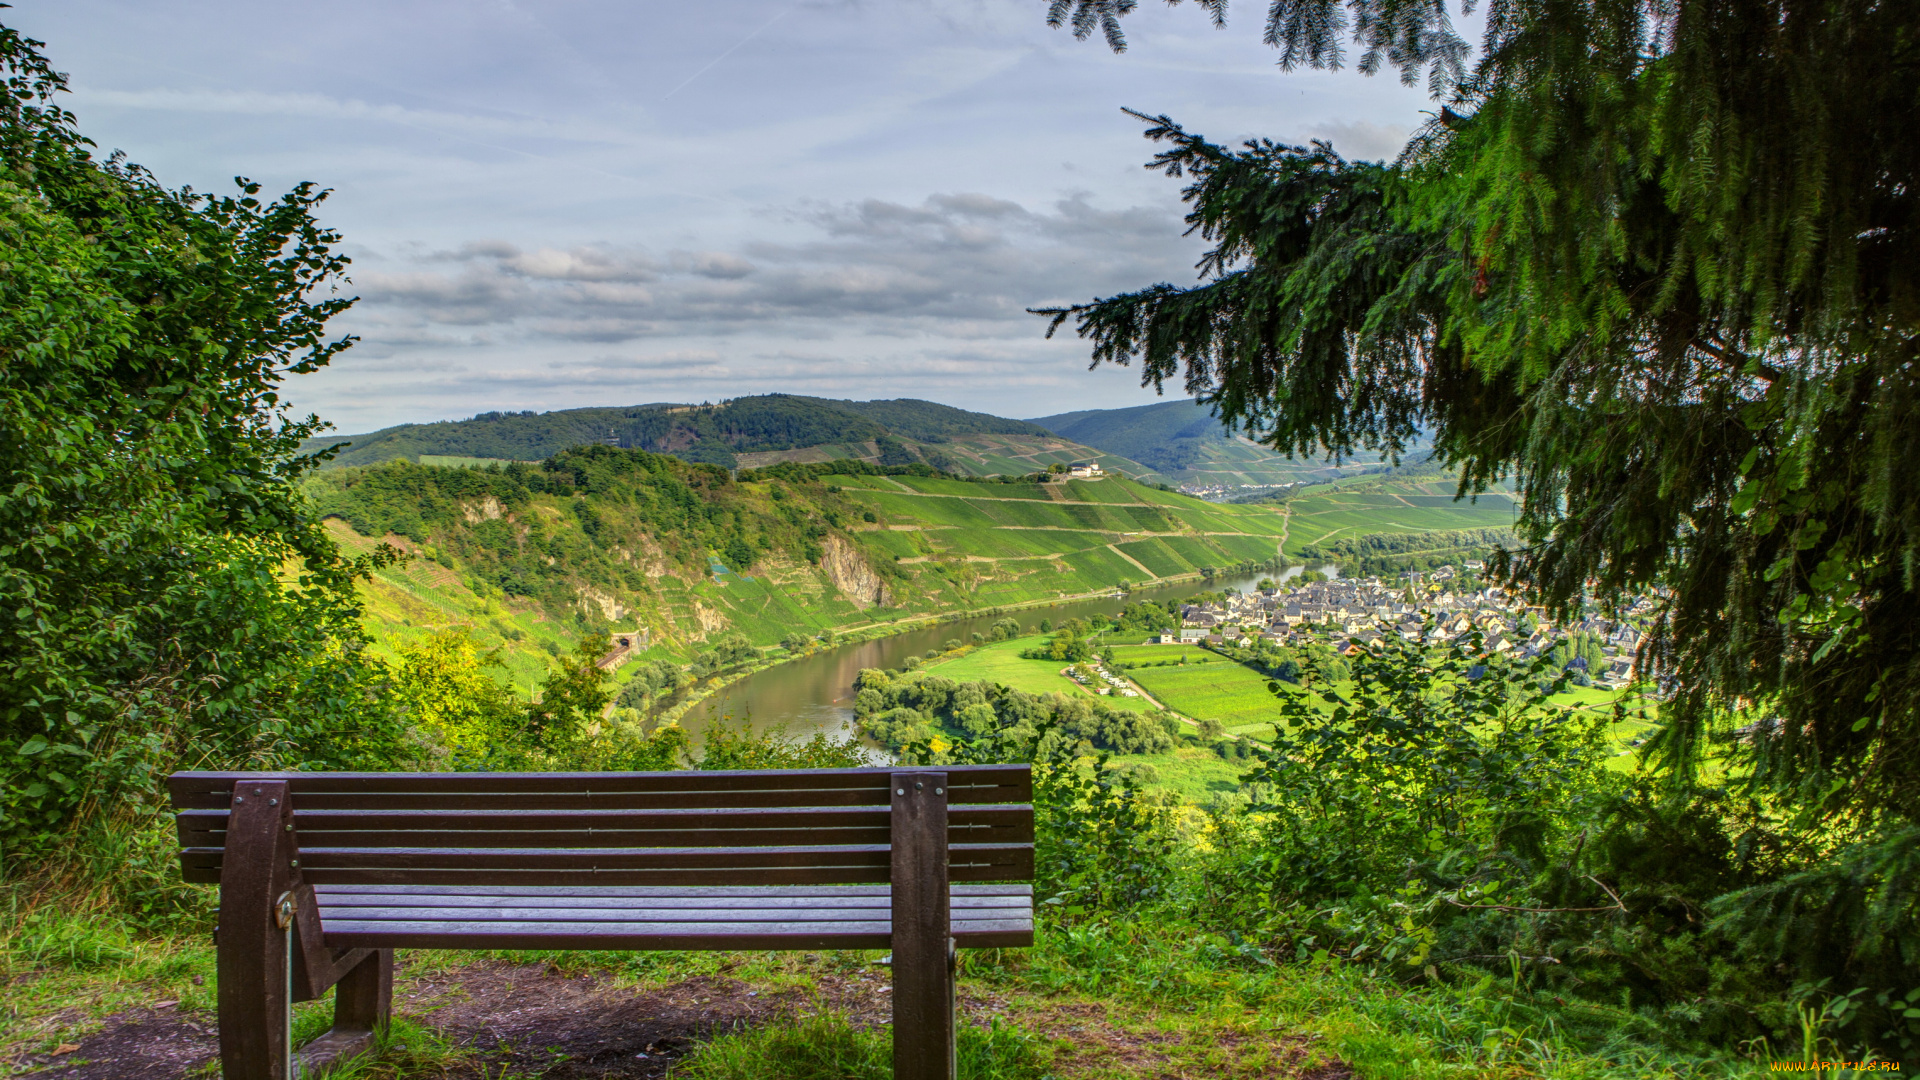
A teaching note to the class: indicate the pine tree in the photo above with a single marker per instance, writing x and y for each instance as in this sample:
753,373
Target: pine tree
1660,264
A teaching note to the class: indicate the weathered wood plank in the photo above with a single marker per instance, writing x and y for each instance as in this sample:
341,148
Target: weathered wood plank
347,905
923,1023
775,875
251,961
961,777
638,913
597,898
801,875
612,800
616,828
663,891
1004,933
317,859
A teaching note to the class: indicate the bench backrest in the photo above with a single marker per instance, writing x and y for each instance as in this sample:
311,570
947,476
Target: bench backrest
761,827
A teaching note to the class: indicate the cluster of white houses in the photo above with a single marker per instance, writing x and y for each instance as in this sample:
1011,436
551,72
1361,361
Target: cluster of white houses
1350,614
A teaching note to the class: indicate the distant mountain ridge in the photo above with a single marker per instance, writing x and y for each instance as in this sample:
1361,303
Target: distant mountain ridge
897,431
1186,443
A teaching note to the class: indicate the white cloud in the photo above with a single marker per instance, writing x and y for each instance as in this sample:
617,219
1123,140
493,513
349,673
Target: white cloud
860,199
1362,140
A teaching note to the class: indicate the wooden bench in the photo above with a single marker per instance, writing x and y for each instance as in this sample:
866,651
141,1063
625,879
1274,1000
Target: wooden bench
323,875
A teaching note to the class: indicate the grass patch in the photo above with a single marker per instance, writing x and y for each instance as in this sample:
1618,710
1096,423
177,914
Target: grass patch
1196,774
1114,997
1229,693
1001,663
828,1047
1162,654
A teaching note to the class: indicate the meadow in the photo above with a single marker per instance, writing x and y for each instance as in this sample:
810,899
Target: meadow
1235,695
1001,663
1160,654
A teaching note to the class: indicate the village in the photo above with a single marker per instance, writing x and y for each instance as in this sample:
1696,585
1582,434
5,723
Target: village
1440,605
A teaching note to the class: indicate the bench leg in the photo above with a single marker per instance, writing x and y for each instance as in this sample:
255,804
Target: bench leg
923,1016
923,957
252,959
255,1015
362,1007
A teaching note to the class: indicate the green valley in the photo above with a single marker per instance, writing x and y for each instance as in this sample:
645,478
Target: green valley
674,555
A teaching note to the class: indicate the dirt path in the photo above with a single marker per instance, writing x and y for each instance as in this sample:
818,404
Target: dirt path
534,1020
530,1018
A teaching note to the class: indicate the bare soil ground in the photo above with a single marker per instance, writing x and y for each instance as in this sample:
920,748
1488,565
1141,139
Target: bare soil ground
533,1020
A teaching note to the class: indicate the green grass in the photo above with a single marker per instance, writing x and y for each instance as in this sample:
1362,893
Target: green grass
1001,663
1159,654
1116,998
1228,692
1195,773
826,1046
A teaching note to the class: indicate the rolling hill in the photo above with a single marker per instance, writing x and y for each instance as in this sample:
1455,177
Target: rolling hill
1185,443
534,557
1401,518
748,431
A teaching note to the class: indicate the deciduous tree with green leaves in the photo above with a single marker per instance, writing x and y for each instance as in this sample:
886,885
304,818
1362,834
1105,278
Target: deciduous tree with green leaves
168,600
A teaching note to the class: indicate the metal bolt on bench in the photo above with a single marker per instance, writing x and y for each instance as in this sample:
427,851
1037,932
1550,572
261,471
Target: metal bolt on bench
323,875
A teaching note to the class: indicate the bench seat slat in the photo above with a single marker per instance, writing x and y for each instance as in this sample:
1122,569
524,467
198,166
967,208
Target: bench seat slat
772,875
982,933
323,839
328,892
347,905
774,913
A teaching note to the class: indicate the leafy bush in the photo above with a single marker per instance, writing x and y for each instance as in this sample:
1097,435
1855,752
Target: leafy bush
903,712
169,596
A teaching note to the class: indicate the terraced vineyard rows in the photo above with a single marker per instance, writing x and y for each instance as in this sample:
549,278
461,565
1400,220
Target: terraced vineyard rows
1080,534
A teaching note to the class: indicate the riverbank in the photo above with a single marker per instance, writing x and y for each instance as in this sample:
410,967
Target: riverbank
810,693
863,632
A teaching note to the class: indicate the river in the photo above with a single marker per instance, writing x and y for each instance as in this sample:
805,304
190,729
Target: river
815,693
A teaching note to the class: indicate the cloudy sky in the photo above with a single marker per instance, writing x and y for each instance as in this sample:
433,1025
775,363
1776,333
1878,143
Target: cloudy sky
556,203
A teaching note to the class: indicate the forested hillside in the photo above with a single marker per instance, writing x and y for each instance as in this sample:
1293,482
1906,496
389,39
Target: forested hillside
600,538
894,432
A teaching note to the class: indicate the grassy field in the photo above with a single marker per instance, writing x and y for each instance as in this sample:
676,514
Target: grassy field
1236,696
1159,654
1001,663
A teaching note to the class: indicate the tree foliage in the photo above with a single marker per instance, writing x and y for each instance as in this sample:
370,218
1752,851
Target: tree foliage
1656,263
168,597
